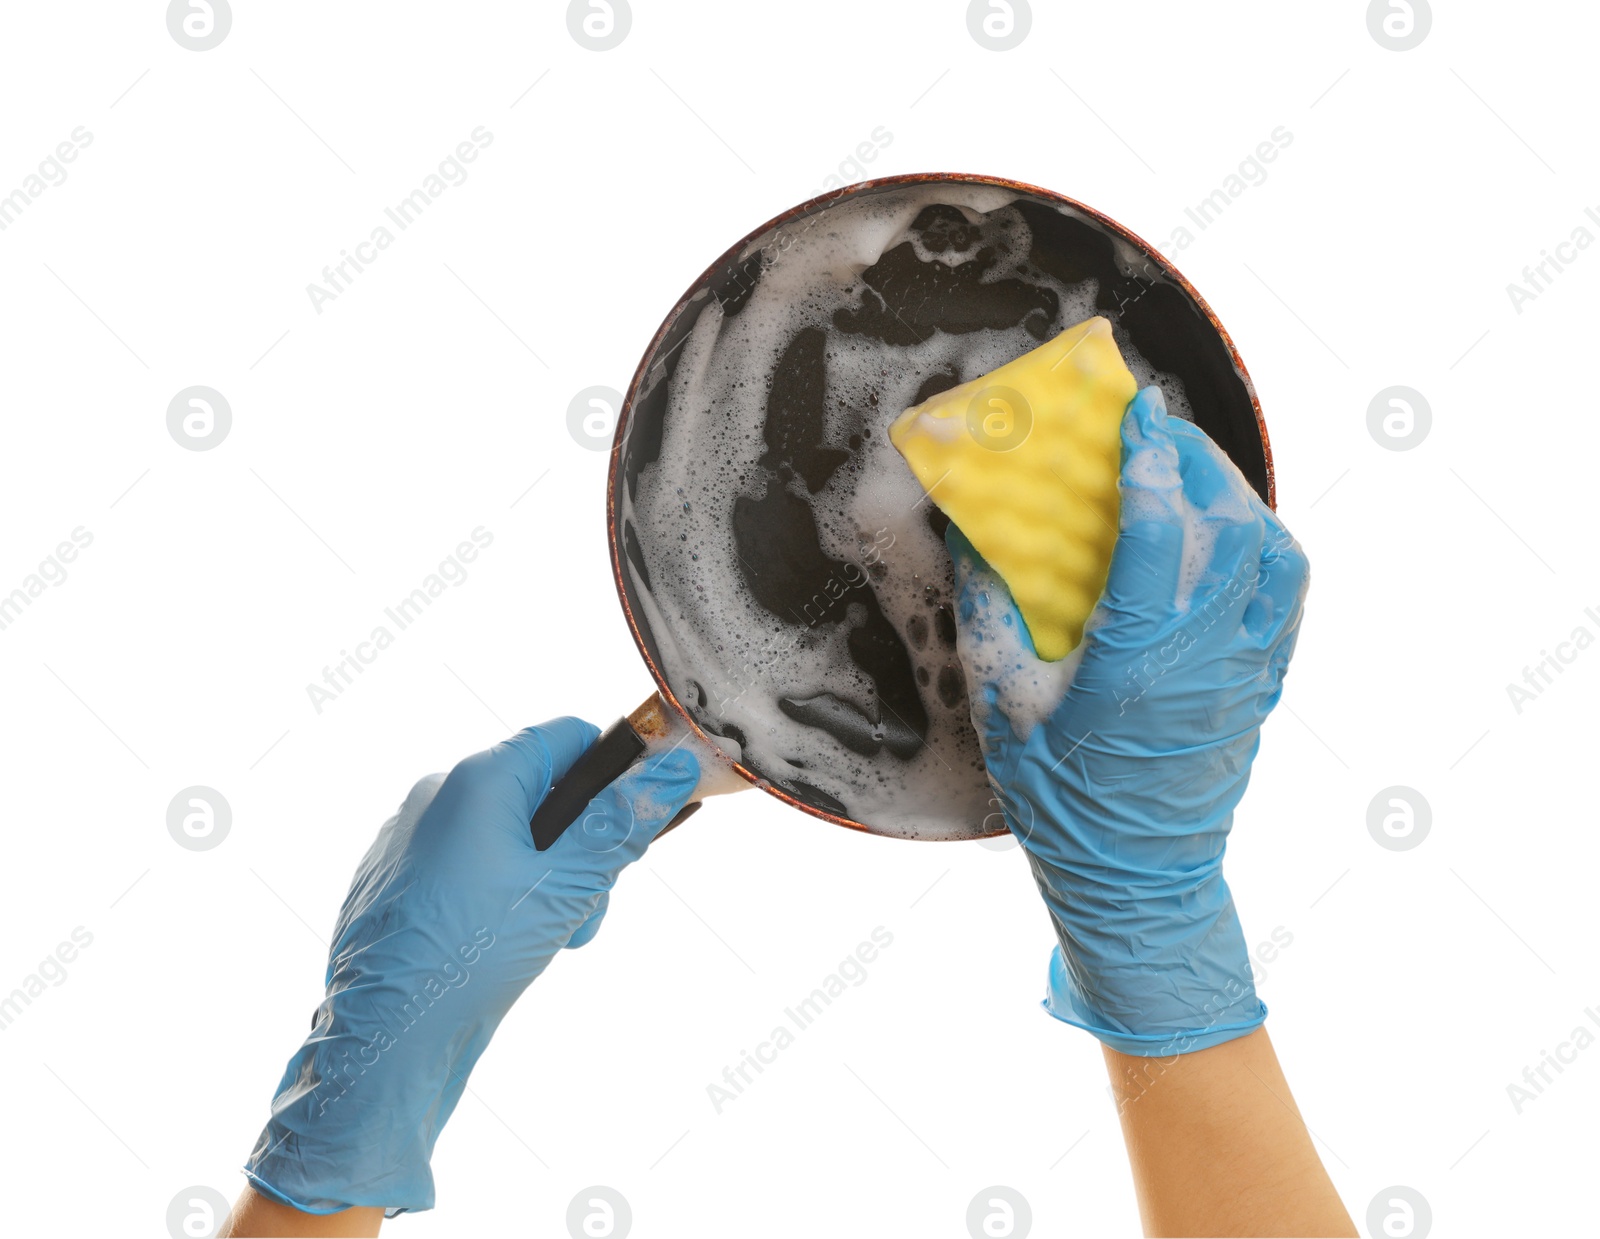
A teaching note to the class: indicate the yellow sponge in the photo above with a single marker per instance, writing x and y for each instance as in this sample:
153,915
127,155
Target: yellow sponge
1025,461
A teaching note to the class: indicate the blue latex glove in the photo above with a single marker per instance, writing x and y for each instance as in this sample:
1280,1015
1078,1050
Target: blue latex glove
450,916
1119,768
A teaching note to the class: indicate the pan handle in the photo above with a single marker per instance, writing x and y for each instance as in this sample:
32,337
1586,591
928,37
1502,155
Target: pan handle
618,747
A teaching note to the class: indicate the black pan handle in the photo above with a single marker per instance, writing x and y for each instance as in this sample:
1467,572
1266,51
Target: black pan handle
618,747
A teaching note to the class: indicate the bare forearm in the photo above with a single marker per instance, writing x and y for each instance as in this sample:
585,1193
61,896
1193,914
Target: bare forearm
1218,1147
254,1215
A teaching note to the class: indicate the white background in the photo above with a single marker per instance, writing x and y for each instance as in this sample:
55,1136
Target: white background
371,438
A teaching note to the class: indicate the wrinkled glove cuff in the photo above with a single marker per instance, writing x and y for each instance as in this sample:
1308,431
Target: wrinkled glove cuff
378,1158
286,1178
1231,1015
320,1208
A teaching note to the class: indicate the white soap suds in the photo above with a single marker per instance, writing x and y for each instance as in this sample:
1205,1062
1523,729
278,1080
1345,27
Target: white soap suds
996,652
726,657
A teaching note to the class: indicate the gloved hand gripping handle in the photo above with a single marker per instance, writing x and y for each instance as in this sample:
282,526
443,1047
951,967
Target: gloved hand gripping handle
618,747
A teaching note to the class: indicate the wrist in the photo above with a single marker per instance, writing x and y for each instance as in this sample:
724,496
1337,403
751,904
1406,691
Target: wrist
259,1213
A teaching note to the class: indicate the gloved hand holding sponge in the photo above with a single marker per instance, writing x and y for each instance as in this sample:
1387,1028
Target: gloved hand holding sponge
1118,734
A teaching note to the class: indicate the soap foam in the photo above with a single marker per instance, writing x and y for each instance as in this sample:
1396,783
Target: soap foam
726,657
997,653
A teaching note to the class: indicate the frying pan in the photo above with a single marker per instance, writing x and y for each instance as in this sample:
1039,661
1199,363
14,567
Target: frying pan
754,426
